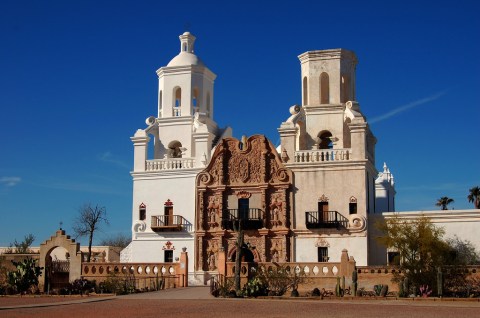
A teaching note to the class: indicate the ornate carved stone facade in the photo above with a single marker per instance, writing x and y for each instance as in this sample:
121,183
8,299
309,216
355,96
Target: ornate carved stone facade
244,180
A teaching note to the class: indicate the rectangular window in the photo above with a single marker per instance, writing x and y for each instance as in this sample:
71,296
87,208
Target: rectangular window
323,254
168,256
393,258
352,208
143,214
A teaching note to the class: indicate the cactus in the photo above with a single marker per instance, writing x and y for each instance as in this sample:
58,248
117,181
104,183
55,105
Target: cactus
439,282
354,282
343,283
337,287
406,286
401,291
384,291
378,289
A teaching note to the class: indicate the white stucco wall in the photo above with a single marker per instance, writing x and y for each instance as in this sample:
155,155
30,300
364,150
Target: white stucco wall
306,248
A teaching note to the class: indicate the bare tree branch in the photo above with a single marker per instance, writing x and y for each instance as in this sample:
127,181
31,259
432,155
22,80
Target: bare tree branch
89,221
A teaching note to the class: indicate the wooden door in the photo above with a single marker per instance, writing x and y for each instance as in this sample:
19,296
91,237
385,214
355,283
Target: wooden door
168,215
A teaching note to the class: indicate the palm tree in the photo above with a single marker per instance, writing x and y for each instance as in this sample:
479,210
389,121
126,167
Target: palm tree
443,202
474,197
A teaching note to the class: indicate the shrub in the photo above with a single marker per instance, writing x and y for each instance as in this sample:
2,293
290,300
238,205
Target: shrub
255,287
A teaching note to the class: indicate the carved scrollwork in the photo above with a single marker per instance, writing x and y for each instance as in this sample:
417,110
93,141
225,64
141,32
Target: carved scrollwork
356,223
243,194
205,178
139,226
282,175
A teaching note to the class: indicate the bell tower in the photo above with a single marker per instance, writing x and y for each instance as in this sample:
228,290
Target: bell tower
185,85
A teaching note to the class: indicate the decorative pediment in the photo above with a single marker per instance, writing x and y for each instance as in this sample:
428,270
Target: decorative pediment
322,243
168,246
323,198
251,161
243,194
353,199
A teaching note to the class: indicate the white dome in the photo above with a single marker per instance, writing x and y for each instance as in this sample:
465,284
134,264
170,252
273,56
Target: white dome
184,59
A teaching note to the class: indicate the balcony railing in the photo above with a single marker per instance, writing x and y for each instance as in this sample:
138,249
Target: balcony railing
322,155
326,219
170,164
168,223
251,218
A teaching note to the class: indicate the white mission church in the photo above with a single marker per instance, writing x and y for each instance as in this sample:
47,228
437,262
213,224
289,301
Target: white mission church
304,200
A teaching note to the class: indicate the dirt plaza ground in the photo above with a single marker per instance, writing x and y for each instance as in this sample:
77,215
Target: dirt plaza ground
196,302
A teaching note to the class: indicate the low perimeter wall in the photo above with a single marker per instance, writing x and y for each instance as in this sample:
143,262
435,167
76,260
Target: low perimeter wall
143,275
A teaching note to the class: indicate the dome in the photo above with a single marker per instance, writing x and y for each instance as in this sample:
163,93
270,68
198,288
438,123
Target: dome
185,59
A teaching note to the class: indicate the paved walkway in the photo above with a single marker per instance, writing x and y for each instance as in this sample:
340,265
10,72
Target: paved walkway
174,293
196,302
7,303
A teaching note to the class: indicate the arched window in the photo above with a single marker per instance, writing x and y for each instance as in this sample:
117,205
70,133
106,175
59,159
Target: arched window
195,100
305,91
345,89
160,101
324,140
324,89
178,97
352,206
208,103
184,47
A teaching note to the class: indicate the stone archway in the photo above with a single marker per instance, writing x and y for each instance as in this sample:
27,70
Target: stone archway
60,239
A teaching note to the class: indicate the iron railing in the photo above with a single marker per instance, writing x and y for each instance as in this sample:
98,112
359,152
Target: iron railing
325,219
168,223
250,218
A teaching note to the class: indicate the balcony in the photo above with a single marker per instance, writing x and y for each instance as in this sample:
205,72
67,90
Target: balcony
322,155
251,219
163,223
325,220
170,164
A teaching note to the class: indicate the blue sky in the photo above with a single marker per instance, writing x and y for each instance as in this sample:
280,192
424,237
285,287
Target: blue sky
78,78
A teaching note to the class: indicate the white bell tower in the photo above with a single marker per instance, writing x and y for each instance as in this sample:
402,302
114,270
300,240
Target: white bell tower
185,85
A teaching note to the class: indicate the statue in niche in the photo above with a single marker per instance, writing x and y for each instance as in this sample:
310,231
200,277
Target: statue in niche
275,257
212,210
212,255
211,262
276,209
276,252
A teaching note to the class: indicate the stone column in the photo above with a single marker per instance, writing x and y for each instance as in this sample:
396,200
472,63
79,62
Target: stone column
140,141
288,137
183,272
222,262
358,129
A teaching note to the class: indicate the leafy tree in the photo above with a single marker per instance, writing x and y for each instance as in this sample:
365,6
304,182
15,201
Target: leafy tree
88,222
22,247
462,252
420,245
474,197
119,240
443,202
26,276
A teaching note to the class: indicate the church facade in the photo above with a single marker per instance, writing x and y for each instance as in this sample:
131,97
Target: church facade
304,200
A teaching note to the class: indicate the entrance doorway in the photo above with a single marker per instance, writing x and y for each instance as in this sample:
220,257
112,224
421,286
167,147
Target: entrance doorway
57,269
